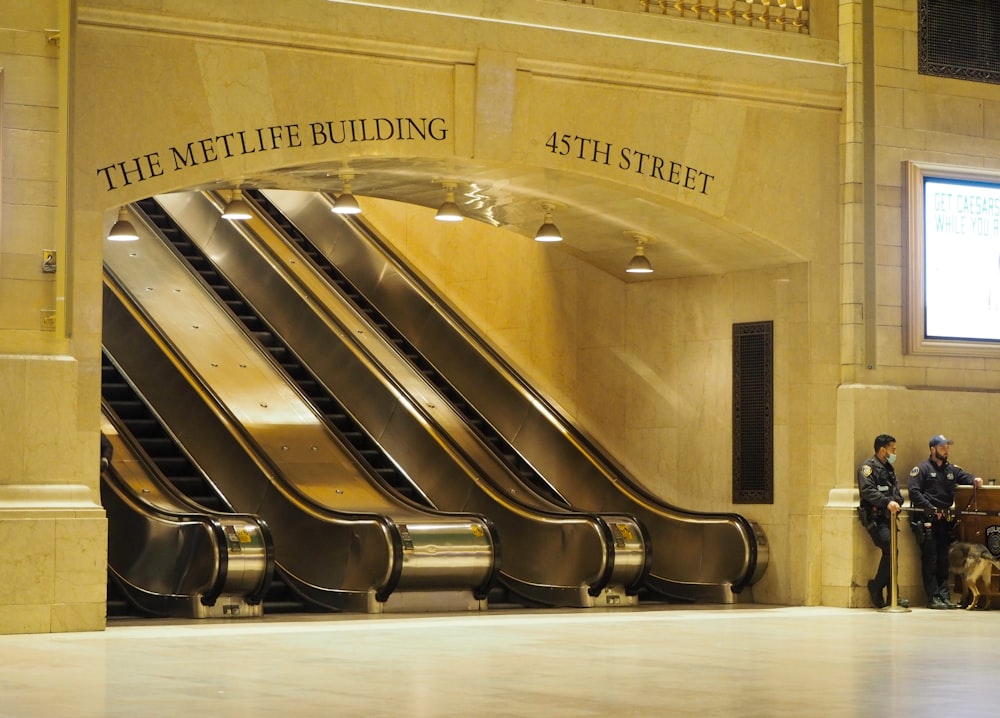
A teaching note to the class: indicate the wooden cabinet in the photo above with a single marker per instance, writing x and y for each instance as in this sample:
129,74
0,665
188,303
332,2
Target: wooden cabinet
979,522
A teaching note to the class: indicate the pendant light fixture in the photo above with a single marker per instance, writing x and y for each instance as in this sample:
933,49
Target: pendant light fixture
345,203
449,211
122,230
639,264
548,232
236,208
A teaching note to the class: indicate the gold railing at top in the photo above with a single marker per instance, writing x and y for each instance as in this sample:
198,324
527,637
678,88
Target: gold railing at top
780,15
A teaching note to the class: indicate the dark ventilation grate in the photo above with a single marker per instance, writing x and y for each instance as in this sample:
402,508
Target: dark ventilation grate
959,40
753,413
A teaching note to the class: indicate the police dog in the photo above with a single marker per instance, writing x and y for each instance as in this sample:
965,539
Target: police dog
973,563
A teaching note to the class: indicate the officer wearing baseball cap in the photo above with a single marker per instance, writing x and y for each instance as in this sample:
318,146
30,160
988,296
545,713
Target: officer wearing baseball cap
932,492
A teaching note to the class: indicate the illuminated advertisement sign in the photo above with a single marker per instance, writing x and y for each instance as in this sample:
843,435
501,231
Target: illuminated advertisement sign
954,261
962,259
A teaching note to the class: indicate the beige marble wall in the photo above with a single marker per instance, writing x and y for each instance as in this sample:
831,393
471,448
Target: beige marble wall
917,118
864,411
33,155
644,367
55,552
52,527
849,557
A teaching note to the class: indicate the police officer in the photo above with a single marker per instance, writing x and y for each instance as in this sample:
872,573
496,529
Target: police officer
932,492
880,502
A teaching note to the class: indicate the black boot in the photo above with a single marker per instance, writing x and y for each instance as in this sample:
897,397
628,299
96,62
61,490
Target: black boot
945,598
875,593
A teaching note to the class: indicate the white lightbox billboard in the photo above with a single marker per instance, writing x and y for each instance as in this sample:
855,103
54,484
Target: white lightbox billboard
962,259
954,261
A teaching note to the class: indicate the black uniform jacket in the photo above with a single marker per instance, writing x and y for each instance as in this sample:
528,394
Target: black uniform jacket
878,486
933,487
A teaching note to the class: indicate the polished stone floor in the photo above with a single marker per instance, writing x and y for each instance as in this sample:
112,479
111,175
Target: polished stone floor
645,661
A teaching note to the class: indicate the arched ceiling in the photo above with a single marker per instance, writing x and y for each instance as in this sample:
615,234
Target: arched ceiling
598,220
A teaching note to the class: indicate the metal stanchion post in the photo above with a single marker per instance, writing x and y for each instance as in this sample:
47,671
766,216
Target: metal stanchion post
894,606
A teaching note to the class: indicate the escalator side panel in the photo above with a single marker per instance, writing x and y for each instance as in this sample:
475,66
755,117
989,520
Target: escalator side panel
565,551
346,556
169,557
696,555
213,557
342,539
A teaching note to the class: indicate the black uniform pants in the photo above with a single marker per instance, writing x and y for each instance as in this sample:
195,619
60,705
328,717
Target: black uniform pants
934,557
879,531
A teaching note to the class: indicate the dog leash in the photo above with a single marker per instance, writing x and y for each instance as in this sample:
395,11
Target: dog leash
974,502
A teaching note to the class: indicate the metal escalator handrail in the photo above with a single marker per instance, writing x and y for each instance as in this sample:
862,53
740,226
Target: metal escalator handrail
256,596
149,467
385,525
647,543
112,479
222,570
600,522
491,577
391,529
609,555
196,511
211,519
396,573
269,358
416,406
217,406
596,456
752,550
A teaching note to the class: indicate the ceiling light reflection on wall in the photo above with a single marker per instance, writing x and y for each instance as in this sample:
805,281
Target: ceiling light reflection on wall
122,230
236,208
449,211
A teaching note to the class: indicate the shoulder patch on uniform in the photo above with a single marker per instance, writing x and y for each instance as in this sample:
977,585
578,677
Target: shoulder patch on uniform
915,471
866,471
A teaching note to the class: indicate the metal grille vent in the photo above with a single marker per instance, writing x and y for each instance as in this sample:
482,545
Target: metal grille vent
959,40
753,413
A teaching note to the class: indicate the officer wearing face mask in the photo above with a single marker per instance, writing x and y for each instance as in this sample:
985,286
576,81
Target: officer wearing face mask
932,492
880,502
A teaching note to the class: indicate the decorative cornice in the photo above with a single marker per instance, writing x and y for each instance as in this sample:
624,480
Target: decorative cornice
798,97
346,45
780,15
270,36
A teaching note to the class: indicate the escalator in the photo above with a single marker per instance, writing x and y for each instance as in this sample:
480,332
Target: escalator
159,468
170,557
696,556
340,541
552,555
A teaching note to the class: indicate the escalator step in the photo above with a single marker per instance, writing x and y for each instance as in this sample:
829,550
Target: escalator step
158,446
172,465
131,409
